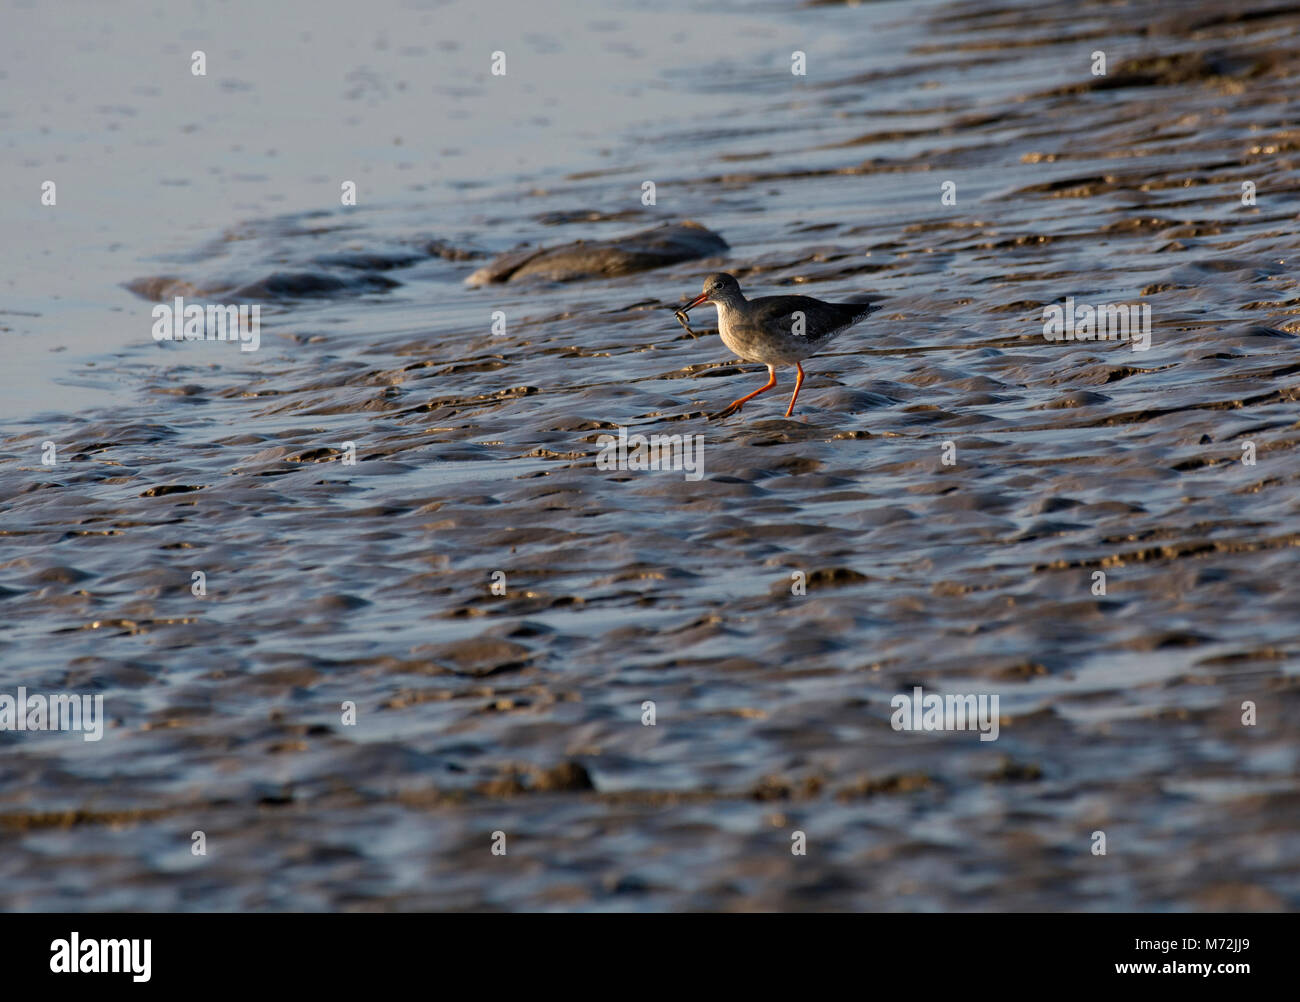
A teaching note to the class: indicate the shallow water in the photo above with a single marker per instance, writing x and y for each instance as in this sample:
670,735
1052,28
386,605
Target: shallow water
521,712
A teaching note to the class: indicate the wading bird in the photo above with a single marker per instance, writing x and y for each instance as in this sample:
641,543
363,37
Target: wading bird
773,330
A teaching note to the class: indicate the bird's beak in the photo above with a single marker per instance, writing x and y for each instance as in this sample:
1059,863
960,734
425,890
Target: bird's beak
703,297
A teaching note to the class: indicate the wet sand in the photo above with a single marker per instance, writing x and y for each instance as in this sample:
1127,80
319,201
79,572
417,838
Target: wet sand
476,453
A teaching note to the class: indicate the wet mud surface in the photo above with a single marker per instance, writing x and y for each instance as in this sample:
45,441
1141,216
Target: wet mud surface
475,454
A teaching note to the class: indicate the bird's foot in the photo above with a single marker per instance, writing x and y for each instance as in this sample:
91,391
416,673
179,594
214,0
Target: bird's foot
726,412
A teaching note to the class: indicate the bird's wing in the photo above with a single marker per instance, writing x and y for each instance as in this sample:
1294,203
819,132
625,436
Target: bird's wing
820,319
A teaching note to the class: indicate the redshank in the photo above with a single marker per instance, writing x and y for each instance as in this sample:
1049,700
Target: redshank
774,330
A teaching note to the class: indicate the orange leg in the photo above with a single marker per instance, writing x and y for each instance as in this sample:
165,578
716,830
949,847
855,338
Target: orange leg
736,405
798,382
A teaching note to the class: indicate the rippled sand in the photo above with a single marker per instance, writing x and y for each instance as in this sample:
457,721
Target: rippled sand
522,712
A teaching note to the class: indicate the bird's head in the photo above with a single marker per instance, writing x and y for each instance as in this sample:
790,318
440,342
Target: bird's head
718,288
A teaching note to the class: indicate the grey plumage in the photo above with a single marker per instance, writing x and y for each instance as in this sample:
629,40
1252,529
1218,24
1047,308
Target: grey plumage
775,330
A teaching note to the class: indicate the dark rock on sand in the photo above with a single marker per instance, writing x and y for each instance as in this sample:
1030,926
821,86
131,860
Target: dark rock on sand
448,252
360,261
160,287
275,286
306,284
641,251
